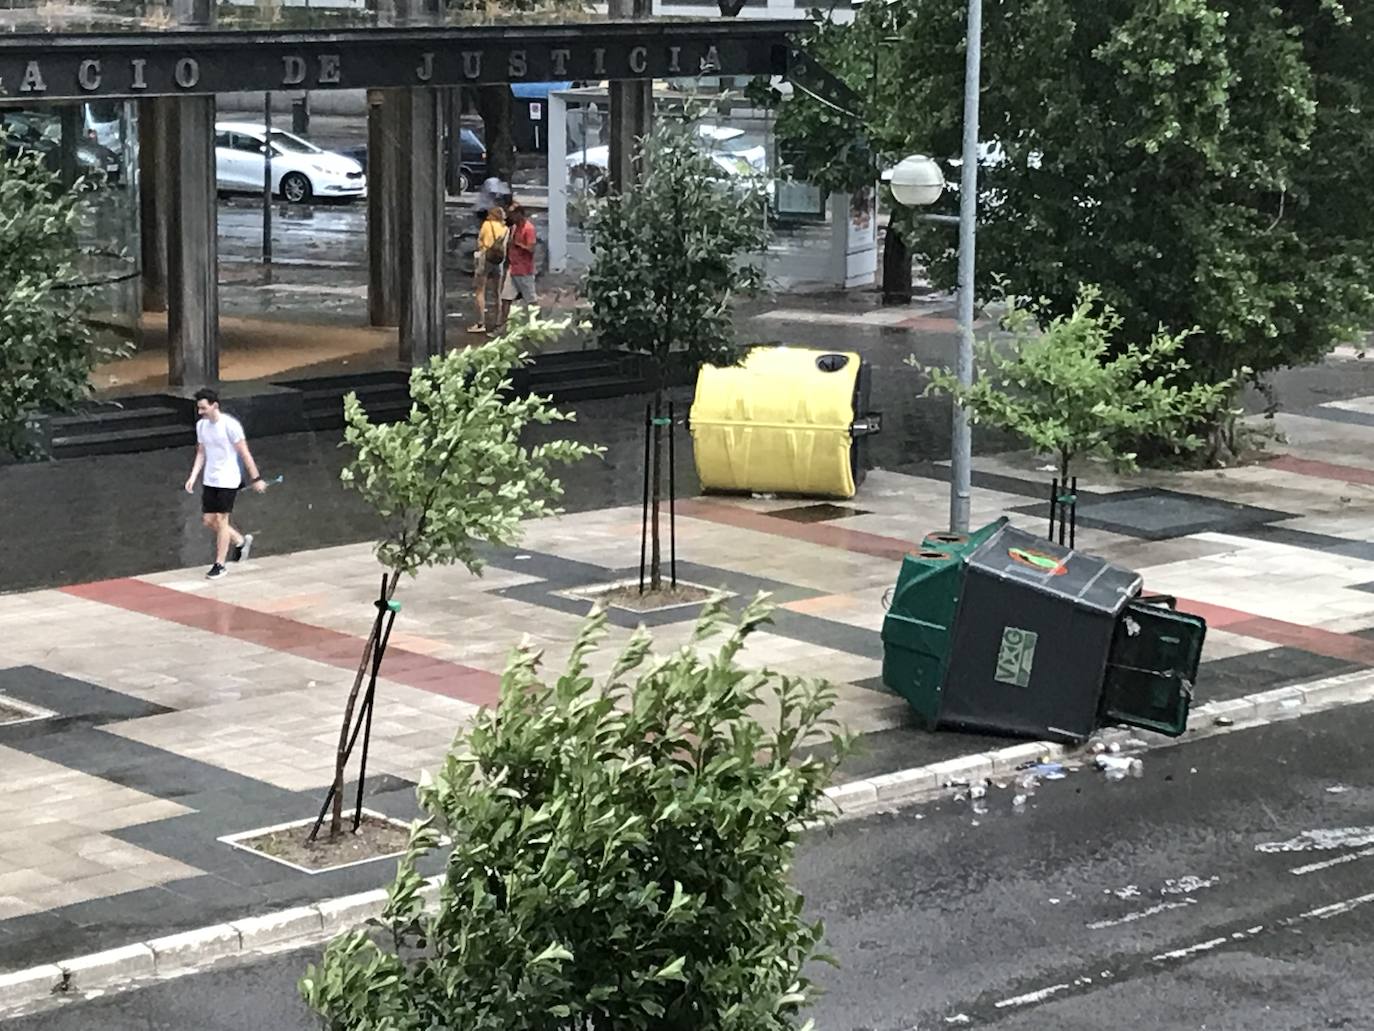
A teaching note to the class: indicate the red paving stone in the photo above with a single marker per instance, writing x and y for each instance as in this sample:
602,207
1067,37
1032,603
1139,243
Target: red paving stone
1245,624
1321,470
279,633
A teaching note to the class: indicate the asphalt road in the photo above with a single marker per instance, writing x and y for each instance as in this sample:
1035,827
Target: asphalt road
1224,890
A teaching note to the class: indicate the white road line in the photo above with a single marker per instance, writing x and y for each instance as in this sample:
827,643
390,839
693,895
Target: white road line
1303,871
1032,997
1337,908
1192,950
1141,914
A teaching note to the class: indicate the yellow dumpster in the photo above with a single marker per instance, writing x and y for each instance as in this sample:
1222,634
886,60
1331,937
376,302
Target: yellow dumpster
787,420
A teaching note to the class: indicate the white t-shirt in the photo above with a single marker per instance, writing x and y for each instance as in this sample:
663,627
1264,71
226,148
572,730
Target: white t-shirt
221,460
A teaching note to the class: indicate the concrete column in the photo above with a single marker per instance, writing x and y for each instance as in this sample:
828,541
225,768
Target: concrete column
153,162
631,105
422,227
385,160
192,246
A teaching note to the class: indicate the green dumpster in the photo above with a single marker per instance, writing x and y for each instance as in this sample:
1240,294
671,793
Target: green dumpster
1003,632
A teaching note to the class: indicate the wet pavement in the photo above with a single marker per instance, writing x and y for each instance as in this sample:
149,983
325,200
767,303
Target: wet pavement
91,518
1167,902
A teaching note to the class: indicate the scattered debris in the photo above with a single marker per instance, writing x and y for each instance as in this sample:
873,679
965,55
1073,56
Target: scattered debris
1223,721
1048,771
977,791
1131,891
1337,789
1135,742
1119,767
522,558
1132,627
1019,801
1114,748
959,1018
1055,902
1188,885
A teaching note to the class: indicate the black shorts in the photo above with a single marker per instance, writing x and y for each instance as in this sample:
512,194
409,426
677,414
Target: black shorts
218,499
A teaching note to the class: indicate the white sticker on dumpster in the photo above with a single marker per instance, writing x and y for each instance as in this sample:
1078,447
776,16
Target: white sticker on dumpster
1016,656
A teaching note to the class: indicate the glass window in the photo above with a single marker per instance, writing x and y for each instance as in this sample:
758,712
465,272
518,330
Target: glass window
222,140
285,141
248,144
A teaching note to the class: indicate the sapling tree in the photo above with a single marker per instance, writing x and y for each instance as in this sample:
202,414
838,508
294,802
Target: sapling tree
453,476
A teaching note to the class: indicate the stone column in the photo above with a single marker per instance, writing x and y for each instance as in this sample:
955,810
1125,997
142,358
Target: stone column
153,162
631,103
192,244
422,227
385,159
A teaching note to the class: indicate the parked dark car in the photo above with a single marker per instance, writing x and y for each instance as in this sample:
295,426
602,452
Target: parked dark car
472,158
41,133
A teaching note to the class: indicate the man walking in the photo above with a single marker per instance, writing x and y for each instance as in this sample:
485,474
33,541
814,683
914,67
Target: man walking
220,445
519,283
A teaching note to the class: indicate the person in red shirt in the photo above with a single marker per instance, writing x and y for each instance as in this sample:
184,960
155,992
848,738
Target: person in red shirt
519,283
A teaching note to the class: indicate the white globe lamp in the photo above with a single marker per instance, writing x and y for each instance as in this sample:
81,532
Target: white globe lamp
916,182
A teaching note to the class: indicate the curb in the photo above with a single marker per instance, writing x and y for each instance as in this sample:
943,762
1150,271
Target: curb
187,951
859,798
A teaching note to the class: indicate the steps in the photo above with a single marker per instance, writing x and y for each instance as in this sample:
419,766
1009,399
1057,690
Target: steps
157,421
138,424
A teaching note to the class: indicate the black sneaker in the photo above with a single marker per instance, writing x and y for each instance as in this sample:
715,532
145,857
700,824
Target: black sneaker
242,551
216,571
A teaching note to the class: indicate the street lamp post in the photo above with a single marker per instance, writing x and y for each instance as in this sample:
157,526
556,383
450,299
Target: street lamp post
917,181
961,439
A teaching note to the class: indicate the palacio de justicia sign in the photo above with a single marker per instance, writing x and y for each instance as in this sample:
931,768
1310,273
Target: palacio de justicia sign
74,65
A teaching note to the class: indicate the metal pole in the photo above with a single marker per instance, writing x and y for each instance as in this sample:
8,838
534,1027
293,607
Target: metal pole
267,178
644,516
672,490
961,439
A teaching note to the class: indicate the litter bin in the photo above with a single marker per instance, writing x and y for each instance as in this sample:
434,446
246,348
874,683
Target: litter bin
786,420
1043,641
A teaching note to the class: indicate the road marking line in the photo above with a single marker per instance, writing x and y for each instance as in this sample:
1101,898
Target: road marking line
1141,914
1303,871
1192,950
1337,908
1032,997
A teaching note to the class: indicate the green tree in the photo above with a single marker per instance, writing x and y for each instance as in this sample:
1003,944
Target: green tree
454,475
619,854
1074,388
668,259
46,346
1202,160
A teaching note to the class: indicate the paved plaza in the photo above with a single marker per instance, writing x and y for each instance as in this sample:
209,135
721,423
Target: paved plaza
170,712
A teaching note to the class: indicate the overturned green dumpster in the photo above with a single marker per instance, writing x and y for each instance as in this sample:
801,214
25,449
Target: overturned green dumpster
1004,632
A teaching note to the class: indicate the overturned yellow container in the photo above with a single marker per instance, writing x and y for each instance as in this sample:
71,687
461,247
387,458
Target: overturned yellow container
786,420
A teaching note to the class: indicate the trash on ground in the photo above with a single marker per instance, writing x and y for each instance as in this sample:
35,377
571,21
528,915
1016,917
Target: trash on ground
1337,789
1188,885
1048,771
1224,721
1119,767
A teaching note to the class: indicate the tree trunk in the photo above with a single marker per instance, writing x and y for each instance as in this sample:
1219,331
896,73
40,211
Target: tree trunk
896,267
656,494
495,104
341,756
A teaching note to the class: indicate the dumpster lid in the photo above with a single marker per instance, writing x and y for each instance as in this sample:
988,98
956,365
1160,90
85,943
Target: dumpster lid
1047,568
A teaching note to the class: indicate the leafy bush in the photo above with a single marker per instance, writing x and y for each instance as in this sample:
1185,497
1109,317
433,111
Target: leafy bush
619,859
46,348
1075,389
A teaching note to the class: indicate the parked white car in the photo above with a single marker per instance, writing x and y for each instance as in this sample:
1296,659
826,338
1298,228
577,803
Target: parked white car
301,171
727,147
